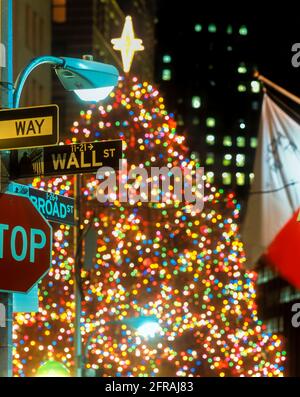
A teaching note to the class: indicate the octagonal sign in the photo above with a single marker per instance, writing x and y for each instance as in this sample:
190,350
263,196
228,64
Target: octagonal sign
25,244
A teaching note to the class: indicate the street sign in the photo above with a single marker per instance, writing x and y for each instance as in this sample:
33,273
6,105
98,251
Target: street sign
29,127
26,303
25,244
90,248
80,158
54,207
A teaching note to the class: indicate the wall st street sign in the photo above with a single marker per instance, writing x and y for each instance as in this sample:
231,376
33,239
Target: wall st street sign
29,127
80,158
54,207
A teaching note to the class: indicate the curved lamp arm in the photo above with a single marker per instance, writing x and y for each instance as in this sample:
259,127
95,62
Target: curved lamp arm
48,59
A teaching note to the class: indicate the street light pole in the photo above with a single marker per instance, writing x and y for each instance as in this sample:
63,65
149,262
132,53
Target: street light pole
77,279
6,333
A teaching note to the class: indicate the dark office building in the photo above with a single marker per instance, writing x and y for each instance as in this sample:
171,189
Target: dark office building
87,27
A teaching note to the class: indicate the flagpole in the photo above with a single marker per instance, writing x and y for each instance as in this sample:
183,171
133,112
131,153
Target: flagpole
277,88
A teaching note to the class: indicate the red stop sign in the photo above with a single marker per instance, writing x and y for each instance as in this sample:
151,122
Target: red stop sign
25,244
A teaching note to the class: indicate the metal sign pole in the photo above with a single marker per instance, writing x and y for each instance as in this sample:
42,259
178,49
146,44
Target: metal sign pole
6,341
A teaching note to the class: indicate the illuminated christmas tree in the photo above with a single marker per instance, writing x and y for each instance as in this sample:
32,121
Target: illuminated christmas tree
166,293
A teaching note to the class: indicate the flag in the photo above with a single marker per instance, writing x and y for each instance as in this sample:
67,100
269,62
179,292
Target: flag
271,228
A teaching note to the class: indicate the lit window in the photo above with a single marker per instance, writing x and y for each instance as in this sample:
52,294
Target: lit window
266,274
41,35
210,139
167,58
242,68
210,159
255,105
33,92
212,28
166,74
196,121
34,33
210,122
253,142
210,177
240,141
241,88
251,177
229,48
59,11
227,141
240,178
274,325
255,86
227,159
41,94
180,120
196,102
229,29
29,27
226,178
240,160
243,31
198,27
286,294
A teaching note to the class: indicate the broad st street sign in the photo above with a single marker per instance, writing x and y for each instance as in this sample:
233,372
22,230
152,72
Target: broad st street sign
80,158
29,127
54,207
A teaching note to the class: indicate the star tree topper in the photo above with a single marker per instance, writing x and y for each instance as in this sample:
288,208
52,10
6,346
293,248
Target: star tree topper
127,44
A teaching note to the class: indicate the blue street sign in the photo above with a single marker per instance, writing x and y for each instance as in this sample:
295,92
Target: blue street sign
54,207
26,303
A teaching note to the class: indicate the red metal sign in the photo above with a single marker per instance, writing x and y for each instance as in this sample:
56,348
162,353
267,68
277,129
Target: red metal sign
25,244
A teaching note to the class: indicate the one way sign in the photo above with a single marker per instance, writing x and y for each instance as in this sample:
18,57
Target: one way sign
29,127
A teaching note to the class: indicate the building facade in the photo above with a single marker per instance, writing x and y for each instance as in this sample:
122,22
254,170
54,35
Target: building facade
87,28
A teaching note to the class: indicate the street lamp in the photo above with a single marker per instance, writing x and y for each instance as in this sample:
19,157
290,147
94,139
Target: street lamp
91,81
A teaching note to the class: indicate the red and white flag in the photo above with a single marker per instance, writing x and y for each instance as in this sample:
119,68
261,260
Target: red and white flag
271,228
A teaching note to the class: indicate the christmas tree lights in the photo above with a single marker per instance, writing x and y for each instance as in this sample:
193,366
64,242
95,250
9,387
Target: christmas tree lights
166,294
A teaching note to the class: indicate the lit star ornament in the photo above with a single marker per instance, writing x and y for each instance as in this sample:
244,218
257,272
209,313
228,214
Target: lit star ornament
127,44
